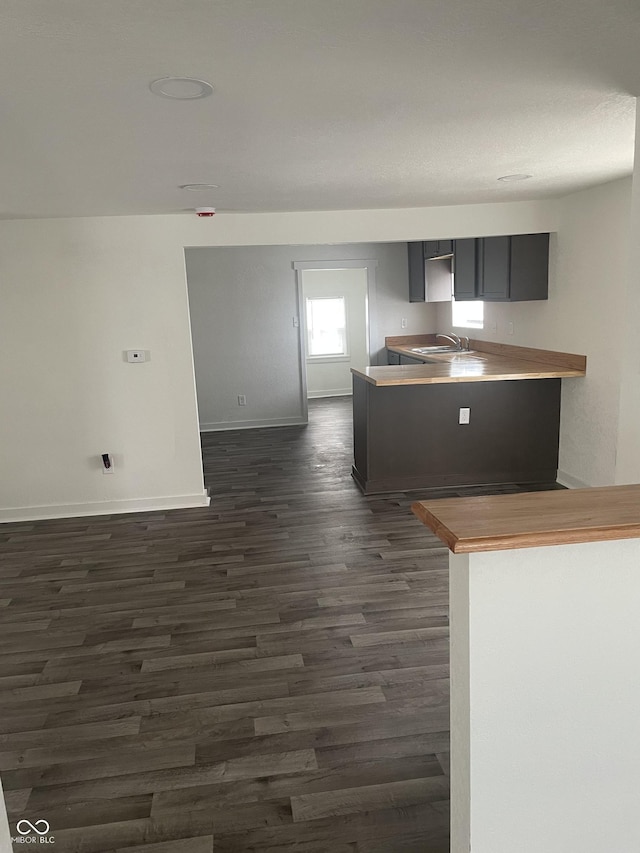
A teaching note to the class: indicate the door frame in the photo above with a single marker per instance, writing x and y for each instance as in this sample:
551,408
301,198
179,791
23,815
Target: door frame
371,314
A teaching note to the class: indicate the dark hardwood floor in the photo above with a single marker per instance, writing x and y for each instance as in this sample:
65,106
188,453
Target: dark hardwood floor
268,674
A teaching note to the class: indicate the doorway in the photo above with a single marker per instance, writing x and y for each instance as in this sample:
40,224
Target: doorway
334,317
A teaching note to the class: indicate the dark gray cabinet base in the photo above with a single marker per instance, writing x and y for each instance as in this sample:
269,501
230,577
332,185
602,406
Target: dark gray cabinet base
407,437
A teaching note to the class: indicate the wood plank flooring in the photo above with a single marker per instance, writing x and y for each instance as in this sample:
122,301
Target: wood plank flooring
268,674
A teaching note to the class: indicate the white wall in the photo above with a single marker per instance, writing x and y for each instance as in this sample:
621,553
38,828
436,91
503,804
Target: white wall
628,458
584,314
243,300
5,832
75,293
545,694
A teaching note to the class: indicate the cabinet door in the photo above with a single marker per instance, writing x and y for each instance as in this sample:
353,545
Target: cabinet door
416,272
495,254
437,248
464,269
393,357
430,248
529,267
406,359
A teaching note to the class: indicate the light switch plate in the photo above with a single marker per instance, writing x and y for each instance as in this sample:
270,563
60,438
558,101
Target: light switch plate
465,415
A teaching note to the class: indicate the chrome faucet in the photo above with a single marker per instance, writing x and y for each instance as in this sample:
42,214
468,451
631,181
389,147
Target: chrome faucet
453,338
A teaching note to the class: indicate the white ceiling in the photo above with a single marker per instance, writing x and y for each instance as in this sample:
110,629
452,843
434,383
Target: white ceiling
318,104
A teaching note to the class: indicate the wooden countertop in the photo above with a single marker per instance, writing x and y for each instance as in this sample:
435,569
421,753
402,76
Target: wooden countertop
489,362
531,519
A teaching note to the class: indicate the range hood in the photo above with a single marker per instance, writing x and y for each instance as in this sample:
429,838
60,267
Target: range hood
438,276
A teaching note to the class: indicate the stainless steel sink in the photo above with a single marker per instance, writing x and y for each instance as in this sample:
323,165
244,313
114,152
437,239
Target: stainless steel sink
435,349
450,356
443,351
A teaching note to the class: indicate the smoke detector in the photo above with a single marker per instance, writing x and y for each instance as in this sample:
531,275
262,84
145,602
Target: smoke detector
205,211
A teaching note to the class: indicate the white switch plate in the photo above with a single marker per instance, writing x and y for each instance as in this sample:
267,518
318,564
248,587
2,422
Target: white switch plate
404,323
465,414
107,470
136,355
296,322
510,328
242,400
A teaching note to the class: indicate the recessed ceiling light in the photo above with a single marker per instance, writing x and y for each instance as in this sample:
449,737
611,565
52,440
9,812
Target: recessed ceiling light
181,88
199,188
507,178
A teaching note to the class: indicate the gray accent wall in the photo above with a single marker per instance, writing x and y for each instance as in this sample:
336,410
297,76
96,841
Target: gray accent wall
242,302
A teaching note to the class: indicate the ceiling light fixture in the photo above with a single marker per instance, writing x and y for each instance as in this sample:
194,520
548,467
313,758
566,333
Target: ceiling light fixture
181,88
509,178
199,188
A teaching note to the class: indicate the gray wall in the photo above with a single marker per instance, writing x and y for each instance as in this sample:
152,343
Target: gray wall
242,302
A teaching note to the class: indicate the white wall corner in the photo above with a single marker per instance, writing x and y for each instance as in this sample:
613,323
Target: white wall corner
571,482
5,834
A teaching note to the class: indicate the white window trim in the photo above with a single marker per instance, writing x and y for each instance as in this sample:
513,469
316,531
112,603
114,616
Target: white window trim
319,359
338,356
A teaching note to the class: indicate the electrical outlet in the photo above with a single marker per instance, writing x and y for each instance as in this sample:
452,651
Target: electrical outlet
510,328
404,323
296,322
494,325
242,400
464,416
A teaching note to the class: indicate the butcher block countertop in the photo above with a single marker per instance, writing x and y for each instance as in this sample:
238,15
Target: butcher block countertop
531,519
487,362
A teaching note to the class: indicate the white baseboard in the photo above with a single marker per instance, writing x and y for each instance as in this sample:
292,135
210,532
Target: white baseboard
272,422
336,392
34,513
570,482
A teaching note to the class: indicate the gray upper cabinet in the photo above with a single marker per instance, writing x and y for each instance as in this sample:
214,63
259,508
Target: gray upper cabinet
437,248
417,282
429,275
494,258
502,269
465,268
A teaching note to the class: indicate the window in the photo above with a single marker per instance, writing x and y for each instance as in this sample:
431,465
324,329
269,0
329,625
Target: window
326,327
468,315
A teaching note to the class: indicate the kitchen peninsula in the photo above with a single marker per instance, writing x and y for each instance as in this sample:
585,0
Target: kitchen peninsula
544,661
407,418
